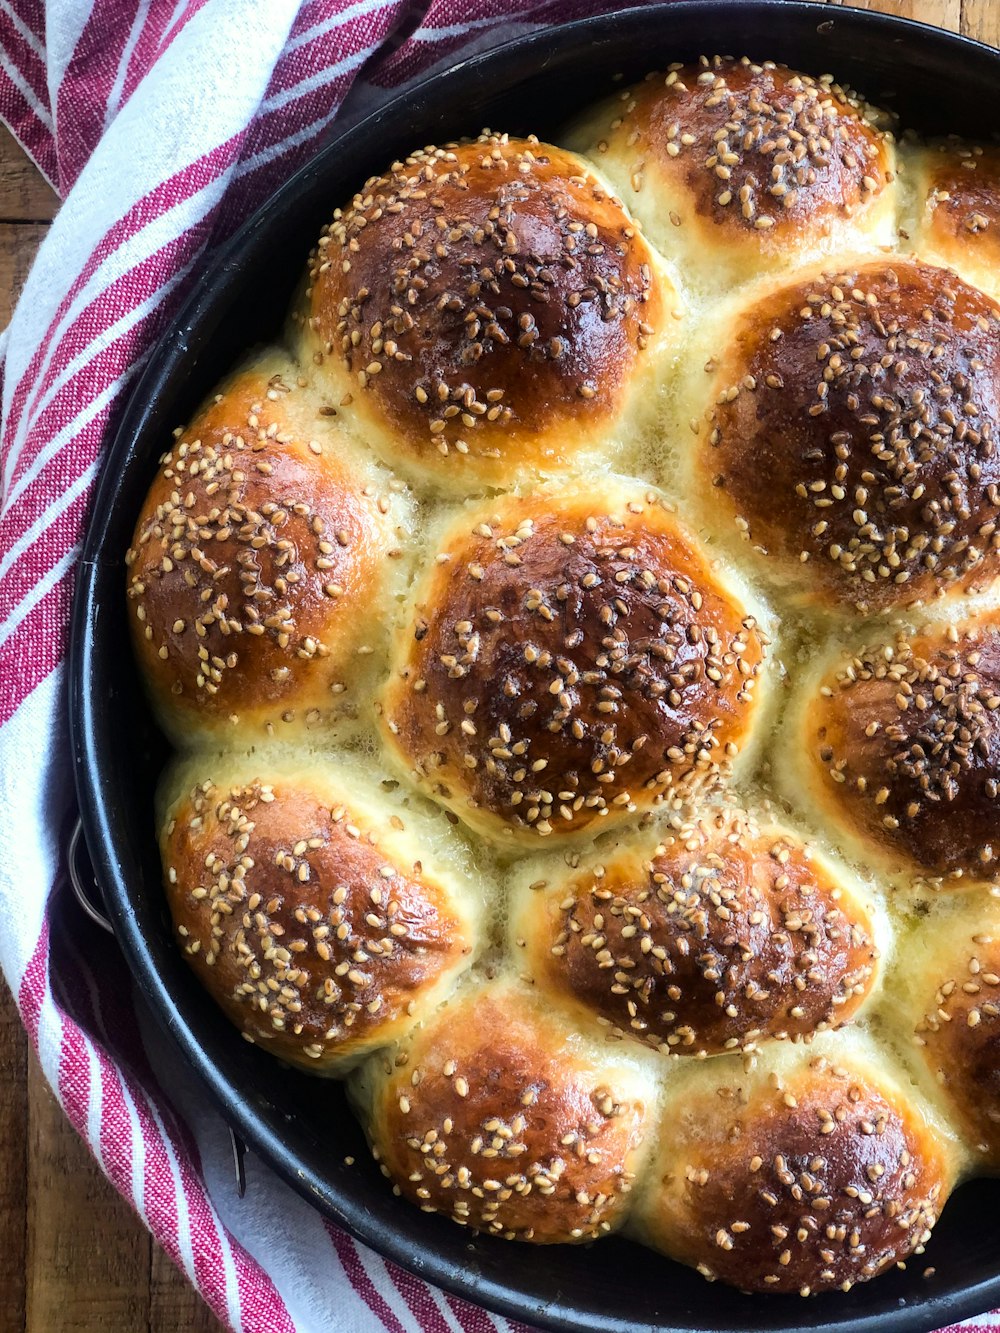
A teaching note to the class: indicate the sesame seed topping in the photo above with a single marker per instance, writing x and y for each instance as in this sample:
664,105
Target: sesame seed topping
724,937
609,682
490,284
227,551
786,148
905,738
884,391
318,971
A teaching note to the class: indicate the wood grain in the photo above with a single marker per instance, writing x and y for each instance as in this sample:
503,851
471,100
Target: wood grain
73,1257
981,20
940,13
18,243
13,1161
25,195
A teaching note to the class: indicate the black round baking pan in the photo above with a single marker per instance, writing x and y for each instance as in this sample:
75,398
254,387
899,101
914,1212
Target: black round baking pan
302,1126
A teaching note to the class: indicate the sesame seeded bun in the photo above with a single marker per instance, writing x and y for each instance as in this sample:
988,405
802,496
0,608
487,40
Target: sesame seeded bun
899,751
797,1176
946,1003
484,308
314,915
734,168
500,1116
957,190
847,434
263,537
713,936
569,659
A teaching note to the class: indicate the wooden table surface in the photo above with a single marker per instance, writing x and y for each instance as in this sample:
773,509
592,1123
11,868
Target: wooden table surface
73,1256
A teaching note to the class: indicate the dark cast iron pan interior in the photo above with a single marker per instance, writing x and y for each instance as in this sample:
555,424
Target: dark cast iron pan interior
301,1126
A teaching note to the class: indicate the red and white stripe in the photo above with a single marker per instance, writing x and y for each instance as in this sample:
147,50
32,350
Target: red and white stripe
163,125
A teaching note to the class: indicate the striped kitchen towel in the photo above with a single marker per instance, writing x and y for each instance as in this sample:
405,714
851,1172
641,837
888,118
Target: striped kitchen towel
162,124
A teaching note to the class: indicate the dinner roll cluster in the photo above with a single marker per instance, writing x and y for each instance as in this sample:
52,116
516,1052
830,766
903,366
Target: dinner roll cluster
580,638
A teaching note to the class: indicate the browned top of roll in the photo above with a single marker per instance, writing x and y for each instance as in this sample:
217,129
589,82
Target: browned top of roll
568,660
724,937
821,1182
854,433
759,149
960,1038
494,1121
908,736
963,199
254,550
489,298
312,938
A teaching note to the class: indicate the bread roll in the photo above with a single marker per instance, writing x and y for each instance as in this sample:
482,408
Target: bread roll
315,912
798,1175
897,747
499,1115
735,168
957,193
484,308
263,543
569,658
946,1002
712,936
846,432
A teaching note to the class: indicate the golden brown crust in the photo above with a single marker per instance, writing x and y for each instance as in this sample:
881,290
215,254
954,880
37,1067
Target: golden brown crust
549,650
819,1180
853,430
752,157
316,941
959,1037
960,200
717,938
569,661
258,544
904,739
489,303
493,1121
